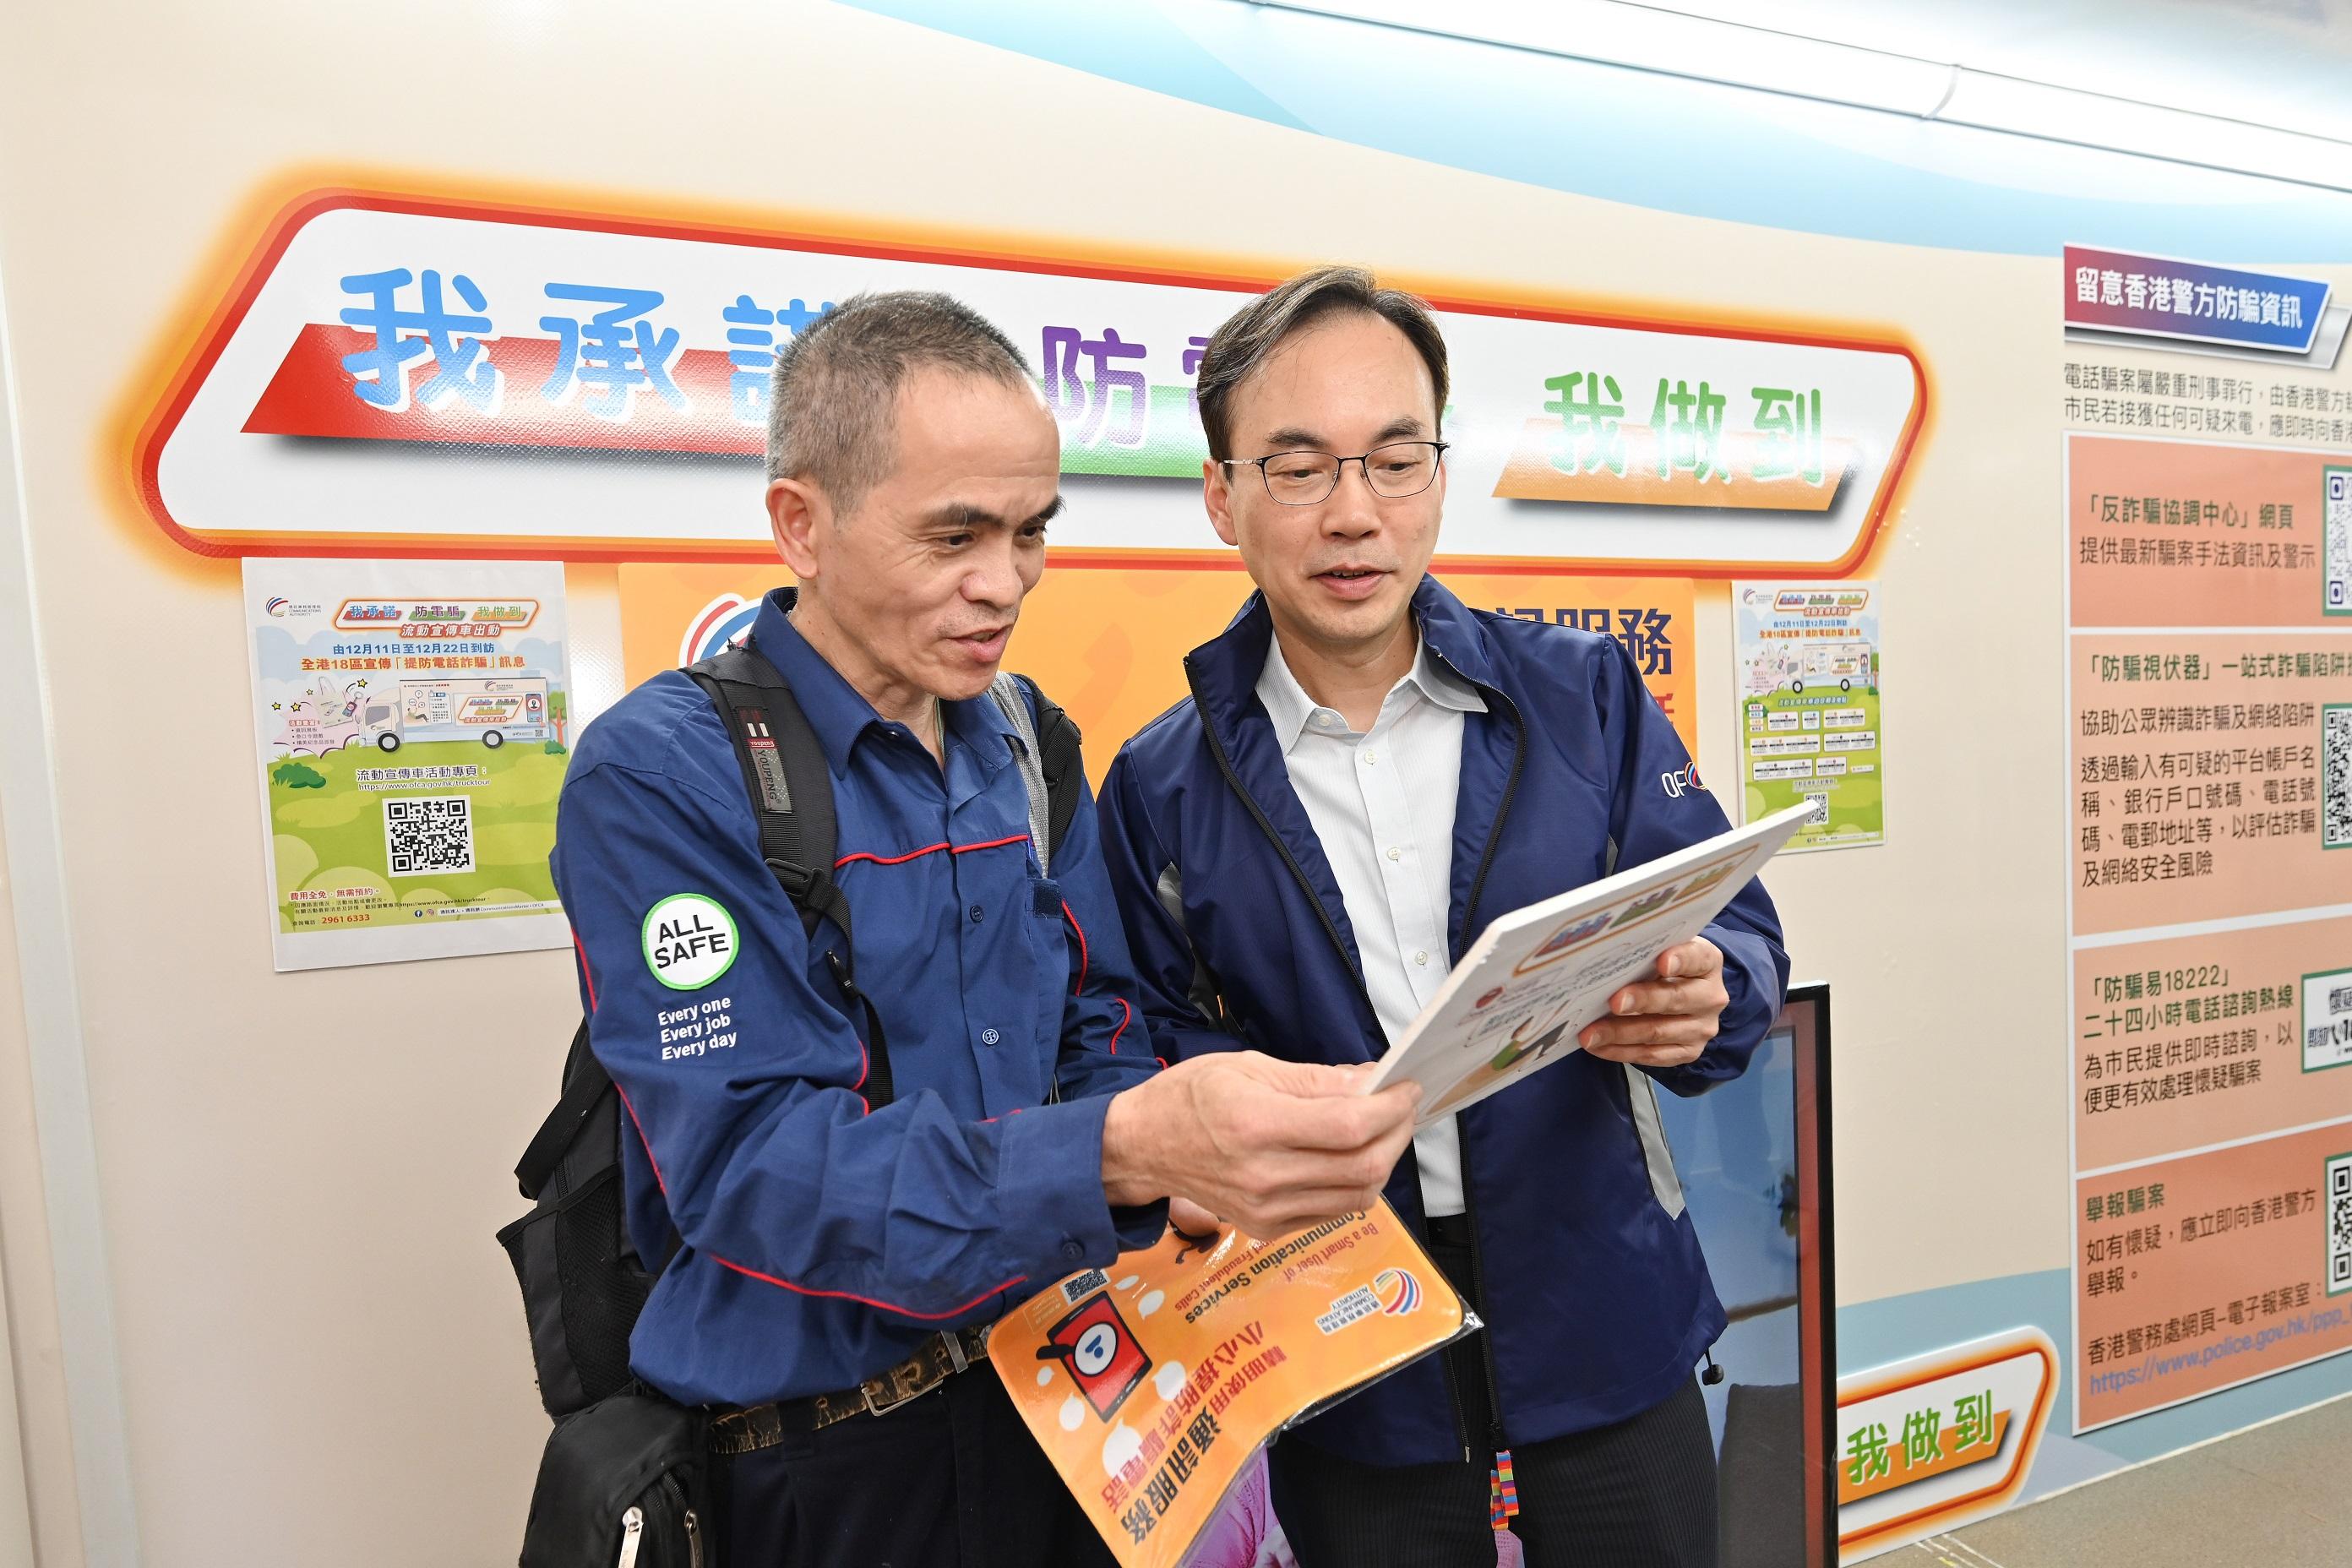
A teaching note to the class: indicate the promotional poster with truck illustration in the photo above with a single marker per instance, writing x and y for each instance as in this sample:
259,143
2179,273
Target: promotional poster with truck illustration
414,724
1809,691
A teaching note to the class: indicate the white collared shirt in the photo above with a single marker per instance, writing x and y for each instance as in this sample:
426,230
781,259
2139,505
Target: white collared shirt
1381,801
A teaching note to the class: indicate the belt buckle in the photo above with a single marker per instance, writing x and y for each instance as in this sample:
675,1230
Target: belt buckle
908,1381
919,1375
883,1407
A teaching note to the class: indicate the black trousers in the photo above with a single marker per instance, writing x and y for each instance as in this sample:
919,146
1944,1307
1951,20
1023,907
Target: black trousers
1640,1494
952,1479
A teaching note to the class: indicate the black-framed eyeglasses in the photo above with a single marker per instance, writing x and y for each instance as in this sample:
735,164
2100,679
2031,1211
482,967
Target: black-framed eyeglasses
1398,470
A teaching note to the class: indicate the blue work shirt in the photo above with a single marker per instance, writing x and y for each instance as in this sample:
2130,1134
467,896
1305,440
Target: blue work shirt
822,1243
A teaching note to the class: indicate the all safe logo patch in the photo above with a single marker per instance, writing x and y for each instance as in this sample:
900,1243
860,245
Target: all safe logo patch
689,941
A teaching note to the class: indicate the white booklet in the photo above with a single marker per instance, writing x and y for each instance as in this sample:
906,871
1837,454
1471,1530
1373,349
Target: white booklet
1538,975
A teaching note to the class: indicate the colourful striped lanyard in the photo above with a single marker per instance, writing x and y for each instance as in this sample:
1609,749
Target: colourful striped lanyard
1502,1492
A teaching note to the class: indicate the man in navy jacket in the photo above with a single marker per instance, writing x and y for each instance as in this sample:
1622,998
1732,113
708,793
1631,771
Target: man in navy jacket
1366,773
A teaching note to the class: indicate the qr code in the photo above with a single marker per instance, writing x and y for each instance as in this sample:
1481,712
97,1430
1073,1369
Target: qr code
2339,1225
1353,1308
2337,531
2335,776
1821,804
427,834
1079,1287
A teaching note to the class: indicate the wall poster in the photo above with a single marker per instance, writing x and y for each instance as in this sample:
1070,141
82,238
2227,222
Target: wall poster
413,723
1810,708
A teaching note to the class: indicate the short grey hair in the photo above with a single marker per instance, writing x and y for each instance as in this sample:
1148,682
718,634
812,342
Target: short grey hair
833,398
1251,334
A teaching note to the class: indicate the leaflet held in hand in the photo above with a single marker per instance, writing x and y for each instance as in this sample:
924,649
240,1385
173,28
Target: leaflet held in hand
1536,977
1152,1384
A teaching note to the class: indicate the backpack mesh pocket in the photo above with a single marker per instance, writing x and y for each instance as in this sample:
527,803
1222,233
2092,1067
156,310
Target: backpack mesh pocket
581,1289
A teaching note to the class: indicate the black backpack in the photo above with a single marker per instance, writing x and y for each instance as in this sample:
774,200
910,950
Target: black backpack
583,1283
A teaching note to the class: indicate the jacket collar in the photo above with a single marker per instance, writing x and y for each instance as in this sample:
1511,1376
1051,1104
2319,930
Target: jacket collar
1290,708
1224,674
1224,670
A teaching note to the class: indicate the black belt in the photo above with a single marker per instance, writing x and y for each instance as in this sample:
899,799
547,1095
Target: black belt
937,1359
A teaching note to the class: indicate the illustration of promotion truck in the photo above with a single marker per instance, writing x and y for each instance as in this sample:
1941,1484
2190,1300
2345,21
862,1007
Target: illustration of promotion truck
490,712
1844,664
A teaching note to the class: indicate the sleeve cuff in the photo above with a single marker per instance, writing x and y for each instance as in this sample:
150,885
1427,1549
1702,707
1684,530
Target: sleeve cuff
1141,1226
1750,1007
1049,1186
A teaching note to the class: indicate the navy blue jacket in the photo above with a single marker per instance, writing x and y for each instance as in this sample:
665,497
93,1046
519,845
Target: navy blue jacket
823,1242
1597,1300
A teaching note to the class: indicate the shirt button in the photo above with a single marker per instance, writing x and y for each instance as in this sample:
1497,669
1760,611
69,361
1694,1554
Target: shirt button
989,1036
1395,854
1072,1250
1421,958
975,914
1369,759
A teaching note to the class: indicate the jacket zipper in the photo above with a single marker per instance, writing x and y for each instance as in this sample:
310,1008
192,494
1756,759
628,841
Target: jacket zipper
1347,961
1479,883
633,1533
693,1539
1469,913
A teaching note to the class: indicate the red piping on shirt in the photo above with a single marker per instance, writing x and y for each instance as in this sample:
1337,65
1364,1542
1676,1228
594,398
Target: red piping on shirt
1125,1016
1081,985
868,1300
587,979
788,1285
928,850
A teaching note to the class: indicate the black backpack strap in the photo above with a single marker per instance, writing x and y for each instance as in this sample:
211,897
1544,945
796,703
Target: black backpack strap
585,1084
785,774
1058,756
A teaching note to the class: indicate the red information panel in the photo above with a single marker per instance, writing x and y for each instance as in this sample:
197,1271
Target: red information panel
2205,1039
2204,1271
2183,533
2212,776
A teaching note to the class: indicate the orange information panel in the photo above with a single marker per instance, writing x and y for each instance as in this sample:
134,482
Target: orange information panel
2187,533
1152,1384
2204,1271
2209,720
2212,776
1109,644
2211,1038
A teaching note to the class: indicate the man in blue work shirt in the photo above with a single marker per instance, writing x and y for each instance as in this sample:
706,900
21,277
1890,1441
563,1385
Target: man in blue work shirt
1366,773
835,1257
